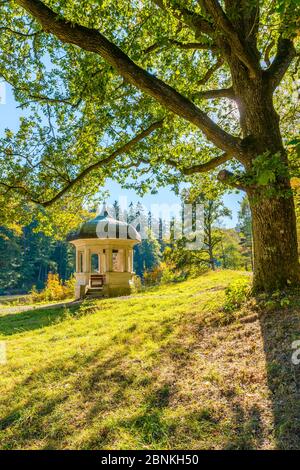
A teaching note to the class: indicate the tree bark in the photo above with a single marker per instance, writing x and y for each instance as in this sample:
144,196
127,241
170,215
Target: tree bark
276,264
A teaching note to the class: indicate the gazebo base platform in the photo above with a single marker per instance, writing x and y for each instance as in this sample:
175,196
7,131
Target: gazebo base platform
116,284
94,294
105,293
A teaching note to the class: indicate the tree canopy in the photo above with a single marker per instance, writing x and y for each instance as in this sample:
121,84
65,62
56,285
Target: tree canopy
154,92
145,95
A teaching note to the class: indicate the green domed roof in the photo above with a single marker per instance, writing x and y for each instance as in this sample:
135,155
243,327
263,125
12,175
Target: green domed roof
105,227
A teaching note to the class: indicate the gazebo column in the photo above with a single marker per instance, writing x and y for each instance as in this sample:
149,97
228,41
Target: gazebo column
110,260
130,260
126,260
103,265
77,260
87,260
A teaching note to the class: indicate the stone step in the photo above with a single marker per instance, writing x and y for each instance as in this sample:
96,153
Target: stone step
94,293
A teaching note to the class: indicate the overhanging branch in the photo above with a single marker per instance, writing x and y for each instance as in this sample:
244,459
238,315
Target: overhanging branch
284,56
20,33
215,94
93,41
192,19
181,45
224,25
101,163
200,168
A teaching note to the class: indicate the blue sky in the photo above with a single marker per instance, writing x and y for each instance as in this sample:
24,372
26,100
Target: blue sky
9,116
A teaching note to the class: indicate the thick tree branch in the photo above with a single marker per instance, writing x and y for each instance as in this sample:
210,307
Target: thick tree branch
99,164
93,41
200,168
267,52
245,17
211,71
213,94
195,21
224,25
227,177
181,45
105,161
284,56
20,33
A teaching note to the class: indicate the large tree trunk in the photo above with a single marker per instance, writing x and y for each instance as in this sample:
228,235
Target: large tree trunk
276,264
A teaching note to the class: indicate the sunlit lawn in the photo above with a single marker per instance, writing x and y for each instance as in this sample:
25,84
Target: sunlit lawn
159,370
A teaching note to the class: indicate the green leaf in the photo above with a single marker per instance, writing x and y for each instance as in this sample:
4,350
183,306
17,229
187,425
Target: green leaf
266,177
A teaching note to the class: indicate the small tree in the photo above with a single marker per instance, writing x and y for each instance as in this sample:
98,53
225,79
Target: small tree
206,255
229,250
213,211
244,227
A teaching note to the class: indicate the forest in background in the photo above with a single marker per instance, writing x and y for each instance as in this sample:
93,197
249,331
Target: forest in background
27,255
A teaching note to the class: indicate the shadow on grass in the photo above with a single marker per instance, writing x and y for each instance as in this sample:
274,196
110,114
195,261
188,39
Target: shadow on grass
107,386
32,319
102,385
111,393
247,431
39,419
279,330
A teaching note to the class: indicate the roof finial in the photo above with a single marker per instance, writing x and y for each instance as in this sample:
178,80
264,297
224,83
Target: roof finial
104,211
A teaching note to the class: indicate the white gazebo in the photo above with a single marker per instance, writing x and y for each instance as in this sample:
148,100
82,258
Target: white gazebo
104,256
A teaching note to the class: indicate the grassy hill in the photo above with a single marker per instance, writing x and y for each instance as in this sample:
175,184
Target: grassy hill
165,369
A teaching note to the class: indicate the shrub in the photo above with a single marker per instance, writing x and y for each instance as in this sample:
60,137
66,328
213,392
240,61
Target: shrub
54,289
170,275
69,287
166,273
136,284
154,276
163,274
198,270
236,294
35,296
275,300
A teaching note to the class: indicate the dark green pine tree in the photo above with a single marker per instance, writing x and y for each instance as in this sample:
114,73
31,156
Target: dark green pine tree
147,255
116,209
10,259
26,260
